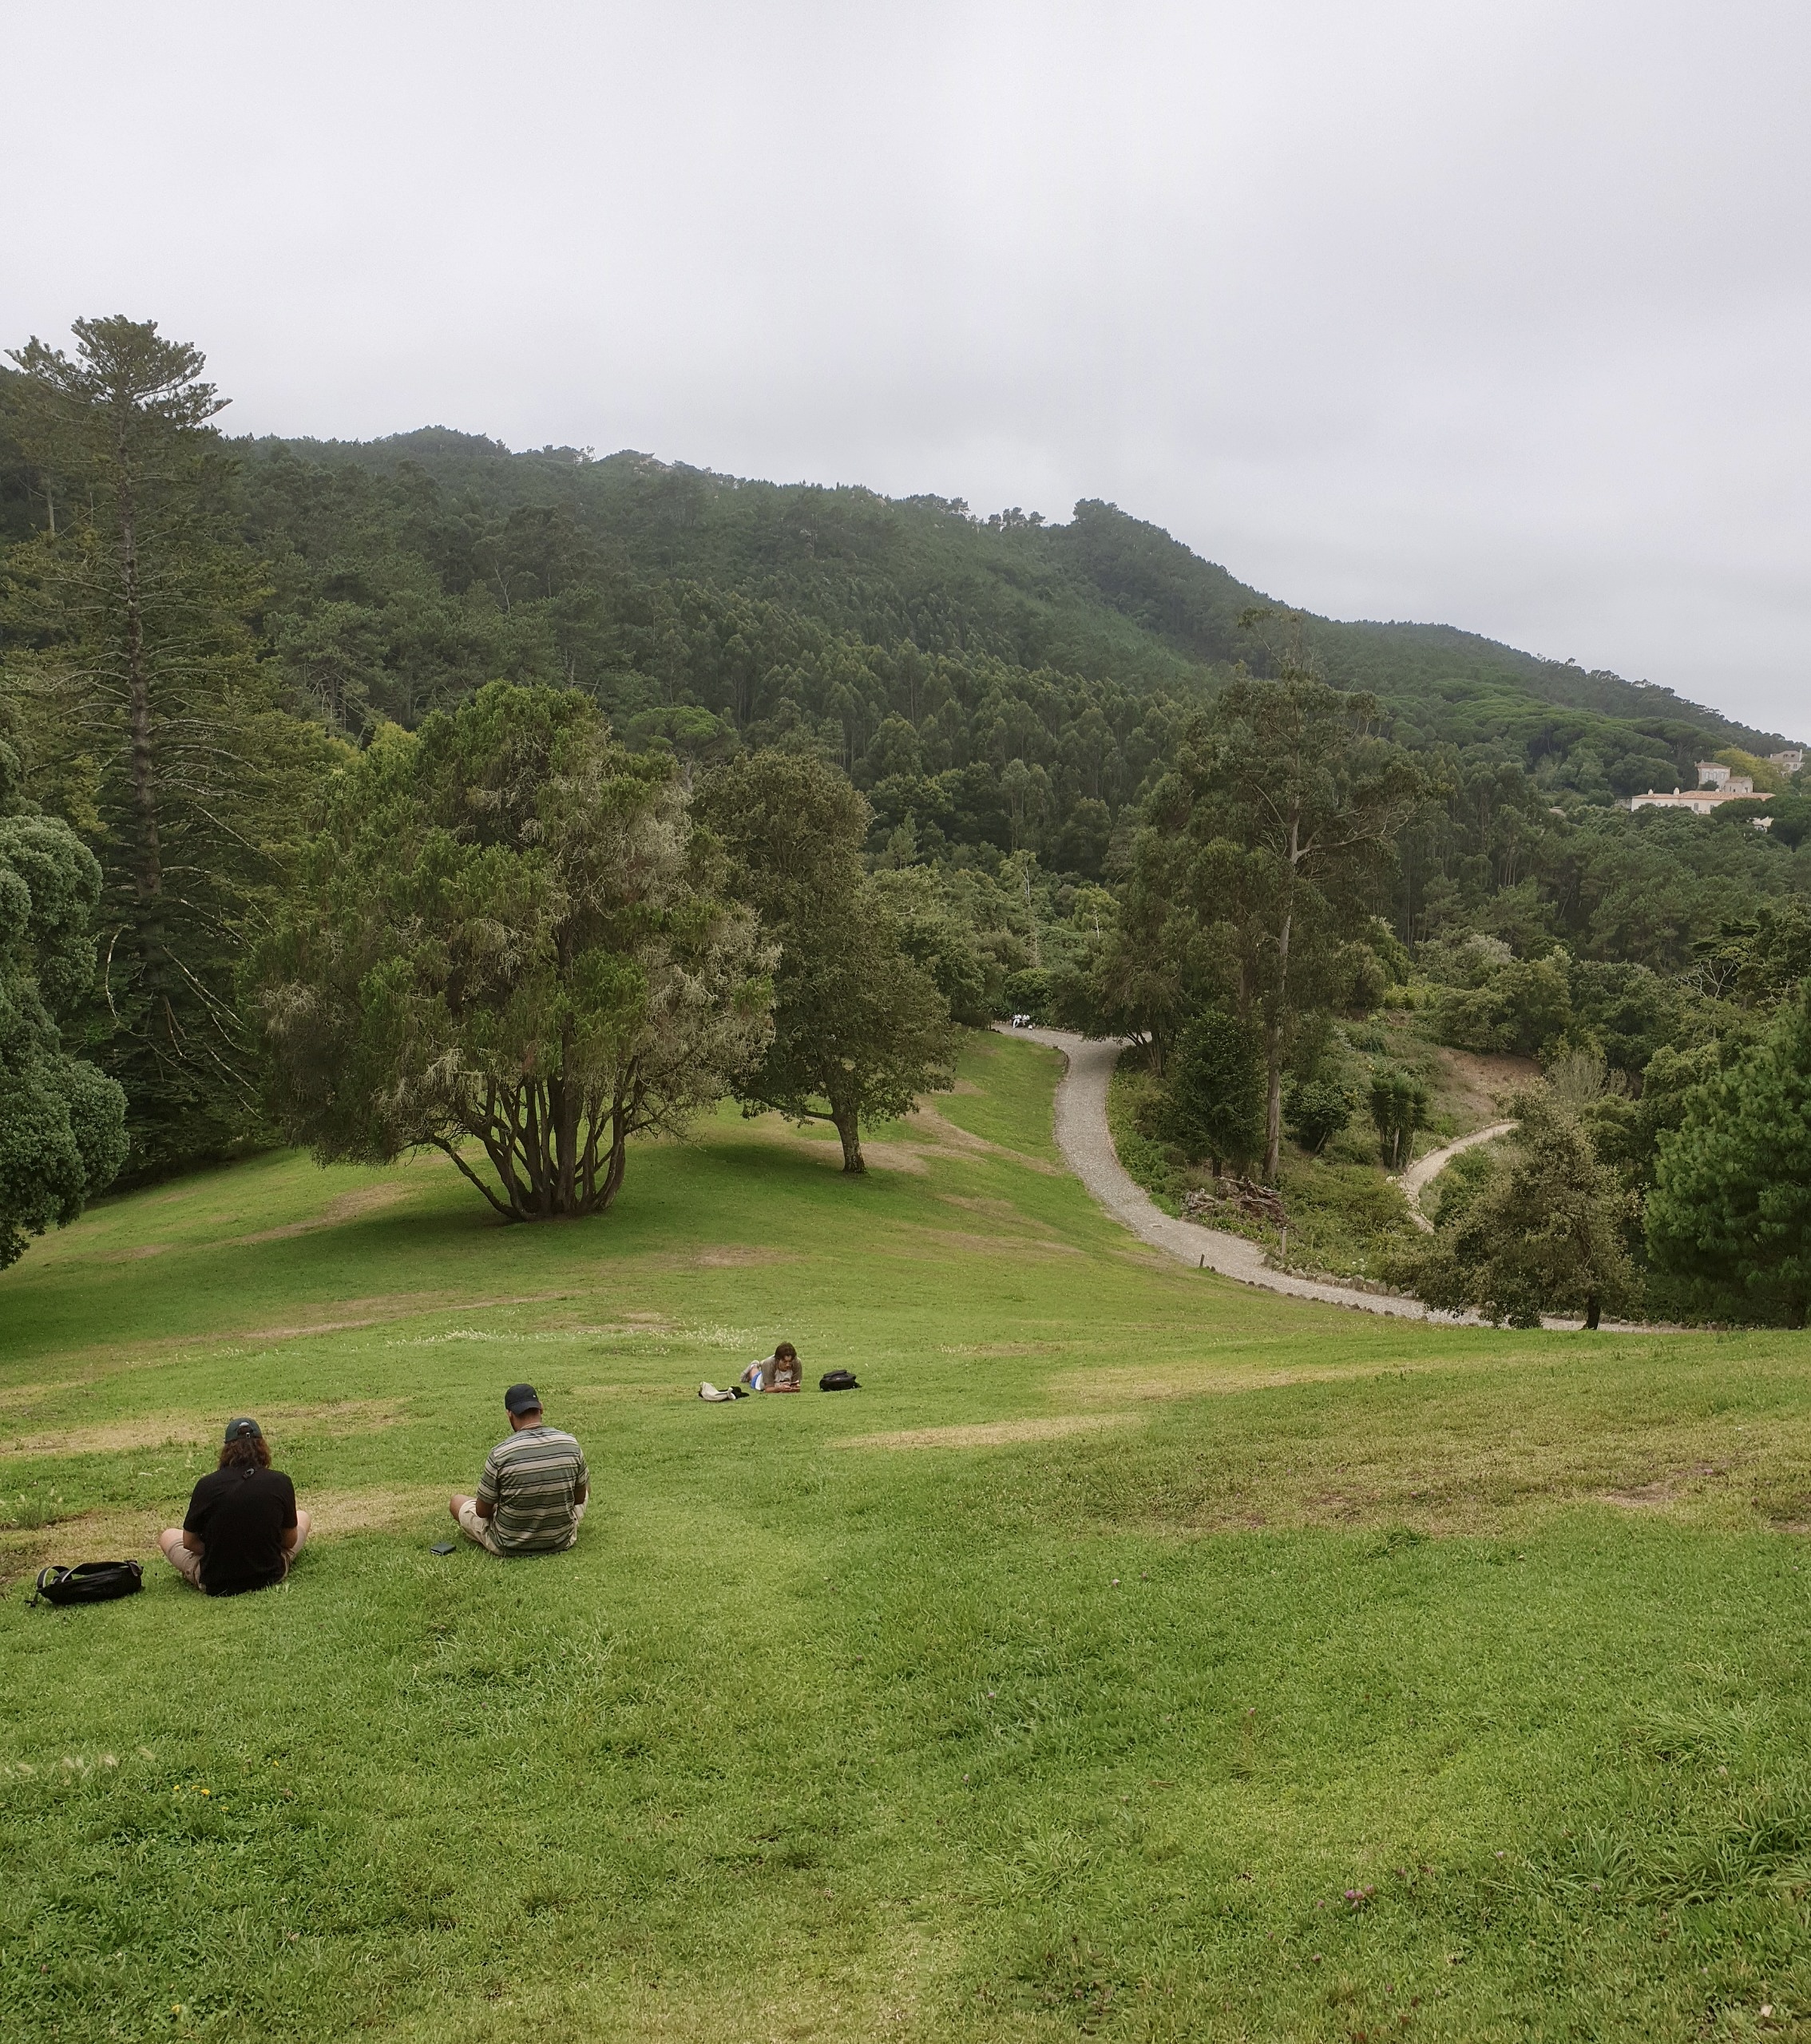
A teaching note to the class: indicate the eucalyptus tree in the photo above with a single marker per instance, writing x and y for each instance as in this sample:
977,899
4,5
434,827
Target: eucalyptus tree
1269,842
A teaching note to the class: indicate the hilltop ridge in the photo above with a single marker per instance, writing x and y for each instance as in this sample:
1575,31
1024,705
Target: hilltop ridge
1106,595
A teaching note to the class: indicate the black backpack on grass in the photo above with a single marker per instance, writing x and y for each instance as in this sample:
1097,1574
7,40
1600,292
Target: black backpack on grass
838,1380
88,1583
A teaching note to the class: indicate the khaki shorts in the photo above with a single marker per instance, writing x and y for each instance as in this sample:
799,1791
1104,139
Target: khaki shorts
189,1565
479,1530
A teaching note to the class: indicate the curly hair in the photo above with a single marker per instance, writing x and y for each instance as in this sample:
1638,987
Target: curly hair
249,1452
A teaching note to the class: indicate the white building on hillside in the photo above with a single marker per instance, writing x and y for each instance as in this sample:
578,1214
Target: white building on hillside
1702,801
1711,774
1791,761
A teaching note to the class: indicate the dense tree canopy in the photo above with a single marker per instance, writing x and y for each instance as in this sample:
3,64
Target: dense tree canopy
509,932
1731,1207
860,1029
62,1123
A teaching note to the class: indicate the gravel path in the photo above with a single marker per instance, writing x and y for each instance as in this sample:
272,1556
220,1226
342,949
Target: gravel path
1416,1180
1083,1136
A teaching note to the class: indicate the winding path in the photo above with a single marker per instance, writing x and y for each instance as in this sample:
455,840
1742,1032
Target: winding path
1416,1180
1084,1139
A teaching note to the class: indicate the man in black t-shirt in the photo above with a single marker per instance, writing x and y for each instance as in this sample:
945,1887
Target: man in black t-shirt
243,1529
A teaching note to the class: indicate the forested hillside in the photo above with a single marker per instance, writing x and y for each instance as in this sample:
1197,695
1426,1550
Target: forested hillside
1069,741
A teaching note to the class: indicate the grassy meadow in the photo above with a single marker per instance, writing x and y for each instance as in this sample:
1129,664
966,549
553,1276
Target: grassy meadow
1134,1656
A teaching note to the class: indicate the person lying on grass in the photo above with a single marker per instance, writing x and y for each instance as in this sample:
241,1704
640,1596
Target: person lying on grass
531,1494
778,1372
243,1529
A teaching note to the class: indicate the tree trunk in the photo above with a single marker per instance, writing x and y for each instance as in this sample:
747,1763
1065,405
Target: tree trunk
851,1135
146,851
1273,1030
1273,1099
1593,1311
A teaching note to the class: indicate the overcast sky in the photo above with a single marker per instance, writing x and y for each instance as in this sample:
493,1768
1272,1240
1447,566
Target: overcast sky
1496,315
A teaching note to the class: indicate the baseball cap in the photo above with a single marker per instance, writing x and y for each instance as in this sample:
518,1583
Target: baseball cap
244,1430
521,1398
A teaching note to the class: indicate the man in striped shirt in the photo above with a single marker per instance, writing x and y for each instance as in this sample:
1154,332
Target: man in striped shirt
531,1494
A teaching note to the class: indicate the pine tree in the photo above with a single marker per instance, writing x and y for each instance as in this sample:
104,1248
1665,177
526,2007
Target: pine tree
144,719
1545,1235
1731,1207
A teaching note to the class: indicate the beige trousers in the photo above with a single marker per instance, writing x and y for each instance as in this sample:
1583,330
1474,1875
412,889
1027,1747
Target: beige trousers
479,1529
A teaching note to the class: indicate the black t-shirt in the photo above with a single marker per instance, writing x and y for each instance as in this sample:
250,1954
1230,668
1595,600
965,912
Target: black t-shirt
240,1516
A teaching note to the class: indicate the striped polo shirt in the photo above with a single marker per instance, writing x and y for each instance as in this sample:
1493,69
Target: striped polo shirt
533,1479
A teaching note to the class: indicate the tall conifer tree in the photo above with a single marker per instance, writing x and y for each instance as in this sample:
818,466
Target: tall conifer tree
143,716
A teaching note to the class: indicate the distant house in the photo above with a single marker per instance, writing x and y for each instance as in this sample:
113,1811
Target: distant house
1791,761
1712,773
1703,802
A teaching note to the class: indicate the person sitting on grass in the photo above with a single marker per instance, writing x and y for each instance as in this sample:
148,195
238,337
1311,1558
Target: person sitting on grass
531,1494
243,1529
778,1372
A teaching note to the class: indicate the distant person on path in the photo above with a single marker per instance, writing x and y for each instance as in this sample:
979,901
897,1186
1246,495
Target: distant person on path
531,1494
243,1529
778,1372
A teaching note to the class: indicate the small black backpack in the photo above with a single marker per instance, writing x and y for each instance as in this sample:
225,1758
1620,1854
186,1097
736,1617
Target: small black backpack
838,1380
88,1583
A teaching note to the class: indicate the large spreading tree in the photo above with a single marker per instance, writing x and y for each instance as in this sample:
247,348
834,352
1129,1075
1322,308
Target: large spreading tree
144,717
62,1123
1730,1210
860,1029
509,934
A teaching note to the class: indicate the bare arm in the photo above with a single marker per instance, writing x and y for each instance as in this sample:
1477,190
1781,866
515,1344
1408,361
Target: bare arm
192,1543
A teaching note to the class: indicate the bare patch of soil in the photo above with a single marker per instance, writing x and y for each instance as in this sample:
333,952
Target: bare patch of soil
348,1206
947,1135
1664,1491
98,1360
190,1429
957,1238
1479,1083
997,1433
113,1534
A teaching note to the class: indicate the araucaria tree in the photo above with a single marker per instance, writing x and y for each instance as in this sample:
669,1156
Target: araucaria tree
144,718
1546,1234
510,933
1731,1207
860,1030
62,1123
1267,844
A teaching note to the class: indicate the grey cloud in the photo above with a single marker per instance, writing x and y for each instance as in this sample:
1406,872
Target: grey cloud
1495,316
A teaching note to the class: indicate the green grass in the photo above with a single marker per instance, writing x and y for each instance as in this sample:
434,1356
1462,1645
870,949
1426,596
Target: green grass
1062,1681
